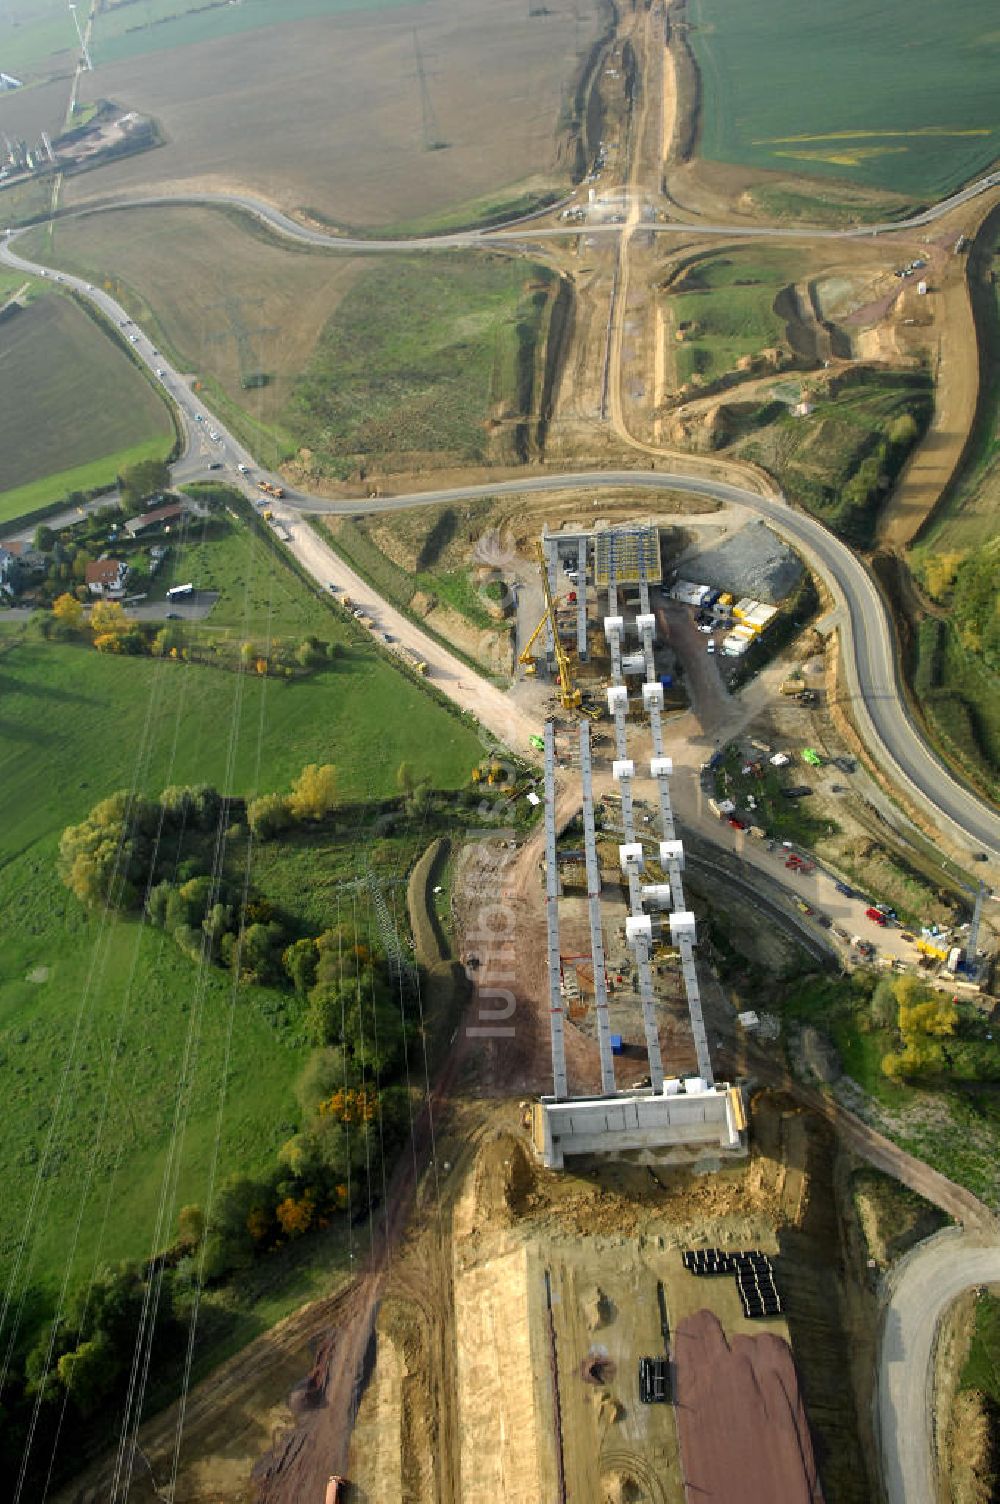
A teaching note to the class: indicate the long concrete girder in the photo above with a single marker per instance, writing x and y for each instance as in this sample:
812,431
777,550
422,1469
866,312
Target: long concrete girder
594,913
560,1086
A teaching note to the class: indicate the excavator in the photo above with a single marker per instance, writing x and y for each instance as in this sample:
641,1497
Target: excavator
569,695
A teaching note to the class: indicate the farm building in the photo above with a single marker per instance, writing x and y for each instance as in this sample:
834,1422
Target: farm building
159,517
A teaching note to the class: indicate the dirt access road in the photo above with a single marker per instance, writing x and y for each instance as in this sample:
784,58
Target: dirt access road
923,1286
490,705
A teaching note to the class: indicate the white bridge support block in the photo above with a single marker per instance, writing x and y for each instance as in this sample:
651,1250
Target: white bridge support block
661,767
682,925
617,696
630,856
639,929
646,624
614,626
657,895
652,694
622,767
672,851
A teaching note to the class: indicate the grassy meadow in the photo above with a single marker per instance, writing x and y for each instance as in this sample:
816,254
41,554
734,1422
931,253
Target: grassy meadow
956,670
74,409
894,96
418,360
96,1017
816,458
727,305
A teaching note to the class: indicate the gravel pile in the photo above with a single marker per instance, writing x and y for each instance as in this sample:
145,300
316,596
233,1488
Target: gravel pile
754,562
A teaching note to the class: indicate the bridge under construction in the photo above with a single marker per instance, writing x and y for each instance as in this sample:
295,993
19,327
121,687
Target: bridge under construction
689,1114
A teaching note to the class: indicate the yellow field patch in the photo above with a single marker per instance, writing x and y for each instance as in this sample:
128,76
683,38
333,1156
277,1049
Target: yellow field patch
842,157
922,130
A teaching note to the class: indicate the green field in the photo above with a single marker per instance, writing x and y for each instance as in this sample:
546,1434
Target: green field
419,355
956,674
727,302
897,96
74,726
74,410
37,36
124,31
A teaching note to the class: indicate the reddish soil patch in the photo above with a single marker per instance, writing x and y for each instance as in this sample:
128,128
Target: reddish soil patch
874,312
742,1423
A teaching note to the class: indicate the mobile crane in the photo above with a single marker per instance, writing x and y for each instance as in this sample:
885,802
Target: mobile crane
569,695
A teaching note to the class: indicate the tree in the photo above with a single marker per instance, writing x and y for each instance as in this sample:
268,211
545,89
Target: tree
268,816
310,653
107,618
903,430
169,640
404,778
68,610
314,792
294,1216
103,858
88,1373
328,1004
190,1225
260,952
299,962
139,482
216,923
44,539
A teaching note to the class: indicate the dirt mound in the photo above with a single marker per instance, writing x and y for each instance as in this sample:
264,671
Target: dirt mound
505,1179
741,1418
598,1310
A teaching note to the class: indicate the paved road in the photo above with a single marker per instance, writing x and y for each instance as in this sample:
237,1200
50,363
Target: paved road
924,1285
873,676
515,230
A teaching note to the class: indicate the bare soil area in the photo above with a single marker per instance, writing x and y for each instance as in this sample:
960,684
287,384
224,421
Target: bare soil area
549,1297
327,117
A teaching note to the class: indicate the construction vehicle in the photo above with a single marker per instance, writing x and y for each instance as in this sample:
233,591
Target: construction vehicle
934,951
811,757
335,1486
526,657
277,492
538,742
793,687
569,695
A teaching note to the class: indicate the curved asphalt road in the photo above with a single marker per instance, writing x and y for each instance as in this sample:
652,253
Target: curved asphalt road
872,672
923,1286
510,233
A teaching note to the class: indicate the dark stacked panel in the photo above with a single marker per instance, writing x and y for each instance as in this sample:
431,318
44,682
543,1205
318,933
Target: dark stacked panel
654,1381
752,1270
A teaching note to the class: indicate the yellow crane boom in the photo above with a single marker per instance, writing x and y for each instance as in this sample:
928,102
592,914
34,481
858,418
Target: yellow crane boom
568,692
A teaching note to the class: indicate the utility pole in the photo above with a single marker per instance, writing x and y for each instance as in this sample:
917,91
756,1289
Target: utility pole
83,44
428,119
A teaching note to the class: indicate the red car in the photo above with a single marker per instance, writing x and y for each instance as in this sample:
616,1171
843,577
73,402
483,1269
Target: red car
875,917
736,824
